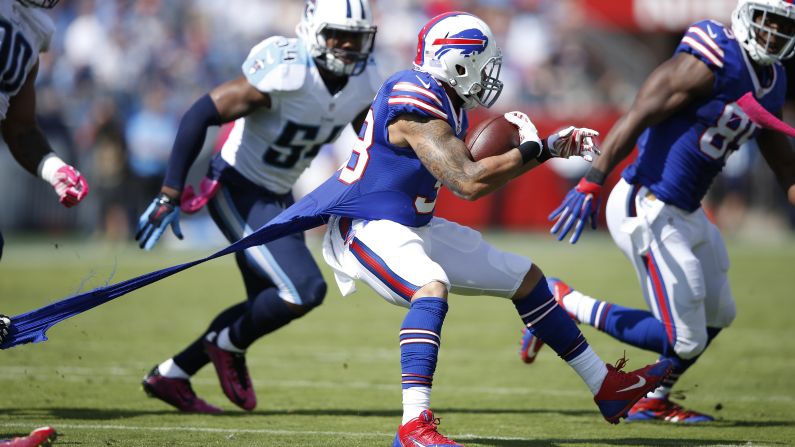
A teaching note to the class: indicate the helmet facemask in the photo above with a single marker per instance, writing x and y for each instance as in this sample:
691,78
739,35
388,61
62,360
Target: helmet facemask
338,34
343,61
765,31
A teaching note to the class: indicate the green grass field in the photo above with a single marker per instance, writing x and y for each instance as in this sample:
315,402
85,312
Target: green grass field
332,378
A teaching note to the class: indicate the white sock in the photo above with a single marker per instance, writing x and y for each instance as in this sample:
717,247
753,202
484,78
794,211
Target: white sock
580,305
415,400
661,392
171,370
225,343
591,368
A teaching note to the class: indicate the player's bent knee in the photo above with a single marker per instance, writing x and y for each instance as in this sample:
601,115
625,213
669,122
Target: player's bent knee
530,281
692,346
434,288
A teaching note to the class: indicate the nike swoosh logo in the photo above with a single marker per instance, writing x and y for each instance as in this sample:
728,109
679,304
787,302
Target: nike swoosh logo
639,384
428,85
417,443
711,33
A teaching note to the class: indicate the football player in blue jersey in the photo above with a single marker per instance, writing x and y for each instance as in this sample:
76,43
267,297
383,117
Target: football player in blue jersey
686,120
26,31
382,231
295,94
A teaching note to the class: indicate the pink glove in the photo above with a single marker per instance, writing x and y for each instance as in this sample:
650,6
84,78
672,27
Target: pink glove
70,186
191,202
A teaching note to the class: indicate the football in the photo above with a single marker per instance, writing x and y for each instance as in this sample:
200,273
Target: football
491,137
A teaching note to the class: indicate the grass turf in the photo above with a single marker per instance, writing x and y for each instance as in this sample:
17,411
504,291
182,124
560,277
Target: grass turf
332,377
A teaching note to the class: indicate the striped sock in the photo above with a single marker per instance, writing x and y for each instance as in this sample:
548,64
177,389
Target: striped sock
550,322
420,336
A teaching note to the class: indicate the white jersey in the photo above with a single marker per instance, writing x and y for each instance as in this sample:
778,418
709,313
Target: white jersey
24,33
272,147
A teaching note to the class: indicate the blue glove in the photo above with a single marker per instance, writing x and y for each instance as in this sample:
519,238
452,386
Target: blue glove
162,212
580,204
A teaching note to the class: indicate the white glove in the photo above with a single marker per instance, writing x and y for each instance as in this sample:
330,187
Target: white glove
5,323
573,142
527,130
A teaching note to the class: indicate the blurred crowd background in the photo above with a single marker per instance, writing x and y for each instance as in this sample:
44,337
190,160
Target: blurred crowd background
120,73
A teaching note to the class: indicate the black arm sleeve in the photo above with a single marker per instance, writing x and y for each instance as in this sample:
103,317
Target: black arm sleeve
190,139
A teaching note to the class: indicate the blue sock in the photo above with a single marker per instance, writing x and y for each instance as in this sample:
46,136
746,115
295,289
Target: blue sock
634,326
420,336
549,322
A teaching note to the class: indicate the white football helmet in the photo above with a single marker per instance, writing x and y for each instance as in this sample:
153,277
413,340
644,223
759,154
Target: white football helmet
40,3
458,49
347,20
765,29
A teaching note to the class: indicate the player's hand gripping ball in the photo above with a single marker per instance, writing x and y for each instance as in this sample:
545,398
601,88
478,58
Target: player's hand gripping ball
491,137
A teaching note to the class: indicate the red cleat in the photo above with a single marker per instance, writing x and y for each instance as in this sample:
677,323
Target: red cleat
621,390
233,375
40,437
421,432
176,392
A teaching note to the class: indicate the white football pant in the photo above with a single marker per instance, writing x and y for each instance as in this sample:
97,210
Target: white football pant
681,263
396,260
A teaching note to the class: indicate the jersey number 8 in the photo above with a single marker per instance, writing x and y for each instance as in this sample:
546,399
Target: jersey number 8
731,131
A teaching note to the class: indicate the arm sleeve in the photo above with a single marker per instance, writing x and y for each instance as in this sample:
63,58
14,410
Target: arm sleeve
706,40
190,139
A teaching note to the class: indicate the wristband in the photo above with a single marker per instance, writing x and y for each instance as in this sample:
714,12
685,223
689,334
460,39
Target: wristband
595,176
48,166
165,199
530,150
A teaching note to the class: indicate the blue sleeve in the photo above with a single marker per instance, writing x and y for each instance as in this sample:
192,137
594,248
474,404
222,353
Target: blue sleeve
708,41
190,139
412,96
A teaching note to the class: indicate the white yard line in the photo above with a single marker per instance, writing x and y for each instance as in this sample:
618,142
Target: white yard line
259,431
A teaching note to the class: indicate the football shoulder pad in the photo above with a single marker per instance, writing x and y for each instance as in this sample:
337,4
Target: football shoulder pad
277,64
709,41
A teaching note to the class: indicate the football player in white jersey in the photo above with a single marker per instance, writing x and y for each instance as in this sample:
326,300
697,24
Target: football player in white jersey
294,95
26,31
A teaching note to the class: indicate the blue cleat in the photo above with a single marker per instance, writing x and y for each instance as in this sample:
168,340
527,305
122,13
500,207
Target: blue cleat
658,409
621,390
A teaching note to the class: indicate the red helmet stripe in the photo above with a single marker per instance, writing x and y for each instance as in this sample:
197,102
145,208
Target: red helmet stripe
458,41
424,32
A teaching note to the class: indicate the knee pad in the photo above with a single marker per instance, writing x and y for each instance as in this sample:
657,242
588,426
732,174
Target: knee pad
690,346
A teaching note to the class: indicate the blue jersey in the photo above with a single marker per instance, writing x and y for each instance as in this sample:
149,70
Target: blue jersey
384,181
679,158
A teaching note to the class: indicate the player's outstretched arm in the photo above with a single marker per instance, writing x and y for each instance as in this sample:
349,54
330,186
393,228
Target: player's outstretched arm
447,158
227,102
778,153
667,90
32,151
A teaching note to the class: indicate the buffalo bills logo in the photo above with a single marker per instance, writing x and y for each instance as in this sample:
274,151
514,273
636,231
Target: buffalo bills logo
470,42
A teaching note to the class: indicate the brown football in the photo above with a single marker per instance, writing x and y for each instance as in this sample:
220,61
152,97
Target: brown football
491,137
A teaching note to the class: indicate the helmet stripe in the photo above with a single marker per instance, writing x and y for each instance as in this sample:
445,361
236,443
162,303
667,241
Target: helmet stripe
349,14
424,32
458,41
361,5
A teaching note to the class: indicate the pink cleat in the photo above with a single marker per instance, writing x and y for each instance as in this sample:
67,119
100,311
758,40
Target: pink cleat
233,375
176,392
40,437
421,432
621,390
